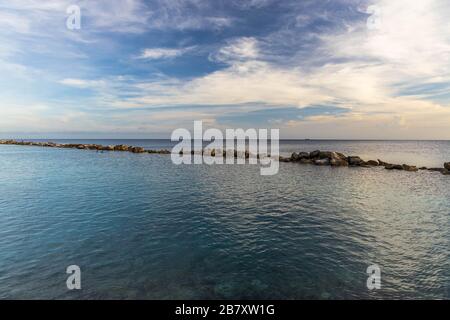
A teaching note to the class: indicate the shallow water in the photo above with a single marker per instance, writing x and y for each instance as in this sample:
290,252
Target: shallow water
141,227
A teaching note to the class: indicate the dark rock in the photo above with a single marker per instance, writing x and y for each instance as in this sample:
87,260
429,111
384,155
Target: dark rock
372,163
303,155
295,156
447,165
306,161
393,167
382,163
441,170
325,155
354,161
314,154
283,159
423,168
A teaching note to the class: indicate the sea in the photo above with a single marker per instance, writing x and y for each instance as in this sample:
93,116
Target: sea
140,227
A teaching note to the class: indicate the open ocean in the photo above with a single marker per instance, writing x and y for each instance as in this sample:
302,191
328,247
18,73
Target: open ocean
140,227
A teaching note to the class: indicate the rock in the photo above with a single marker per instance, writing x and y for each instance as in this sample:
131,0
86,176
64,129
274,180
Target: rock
410,168
306,161
283,159
441,170
382,163
314,154
445,172
322,162
338,162
354,161
447,165
325,155
295,156
121,147
303,155
137,149
372,163
80,146
393,167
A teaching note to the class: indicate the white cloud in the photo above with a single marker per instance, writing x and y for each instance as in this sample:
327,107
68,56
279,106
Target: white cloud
245,48
162,53
81,83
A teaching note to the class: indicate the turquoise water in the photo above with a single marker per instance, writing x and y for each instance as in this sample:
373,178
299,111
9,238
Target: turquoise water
140,227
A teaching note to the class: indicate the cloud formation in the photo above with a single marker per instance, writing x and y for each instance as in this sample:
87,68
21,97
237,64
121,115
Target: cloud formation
387,67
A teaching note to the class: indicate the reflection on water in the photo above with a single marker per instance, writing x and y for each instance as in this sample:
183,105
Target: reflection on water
140,227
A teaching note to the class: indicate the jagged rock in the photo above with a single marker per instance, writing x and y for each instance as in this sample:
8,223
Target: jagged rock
372,163
410,168
322,162
354,161
447,165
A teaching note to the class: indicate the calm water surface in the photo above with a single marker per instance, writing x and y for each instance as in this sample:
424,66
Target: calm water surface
141,227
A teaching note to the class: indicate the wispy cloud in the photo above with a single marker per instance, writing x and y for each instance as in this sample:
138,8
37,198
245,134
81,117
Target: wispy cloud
192,58
162,53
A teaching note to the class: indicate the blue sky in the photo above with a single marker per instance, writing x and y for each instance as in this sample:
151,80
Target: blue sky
356,69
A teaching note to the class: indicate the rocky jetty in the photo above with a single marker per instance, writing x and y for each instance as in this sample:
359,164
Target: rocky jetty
317,157
80,146
328,158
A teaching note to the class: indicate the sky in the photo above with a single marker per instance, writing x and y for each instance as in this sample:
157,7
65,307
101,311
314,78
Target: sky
316,69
